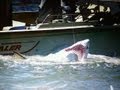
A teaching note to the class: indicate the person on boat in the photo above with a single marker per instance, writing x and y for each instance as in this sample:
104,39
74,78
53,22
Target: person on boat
48,10
114,11
113,16
54,10
69,8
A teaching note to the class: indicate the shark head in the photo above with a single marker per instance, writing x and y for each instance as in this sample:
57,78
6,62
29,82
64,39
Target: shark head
78,50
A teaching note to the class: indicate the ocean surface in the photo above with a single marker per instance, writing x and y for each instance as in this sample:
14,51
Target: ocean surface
97,72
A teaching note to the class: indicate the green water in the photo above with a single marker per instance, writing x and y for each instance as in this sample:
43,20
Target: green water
31,74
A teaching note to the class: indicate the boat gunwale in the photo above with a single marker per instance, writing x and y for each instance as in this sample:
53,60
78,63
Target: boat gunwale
44,29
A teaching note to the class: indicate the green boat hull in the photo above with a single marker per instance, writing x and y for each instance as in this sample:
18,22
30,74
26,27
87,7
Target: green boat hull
104,40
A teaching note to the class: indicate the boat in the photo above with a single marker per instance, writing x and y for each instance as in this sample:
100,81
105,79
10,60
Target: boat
46,38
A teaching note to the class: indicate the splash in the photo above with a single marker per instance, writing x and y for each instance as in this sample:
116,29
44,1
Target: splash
76,52
72,55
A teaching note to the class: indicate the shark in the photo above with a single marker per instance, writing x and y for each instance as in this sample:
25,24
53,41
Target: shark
76,52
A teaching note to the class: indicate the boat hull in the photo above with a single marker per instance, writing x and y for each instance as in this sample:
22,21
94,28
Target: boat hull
103,40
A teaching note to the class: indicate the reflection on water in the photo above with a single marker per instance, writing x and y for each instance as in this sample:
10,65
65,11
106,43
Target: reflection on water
96,73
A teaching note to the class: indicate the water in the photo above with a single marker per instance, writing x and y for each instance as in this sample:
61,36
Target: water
95,73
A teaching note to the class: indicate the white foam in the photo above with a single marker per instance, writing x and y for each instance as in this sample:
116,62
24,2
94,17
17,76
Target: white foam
54,59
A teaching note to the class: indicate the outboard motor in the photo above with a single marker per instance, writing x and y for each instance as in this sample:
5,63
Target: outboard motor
78,51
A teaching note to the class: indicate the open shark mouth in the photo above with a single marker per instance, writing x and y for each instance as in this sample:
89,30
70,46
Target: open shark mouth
78,50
